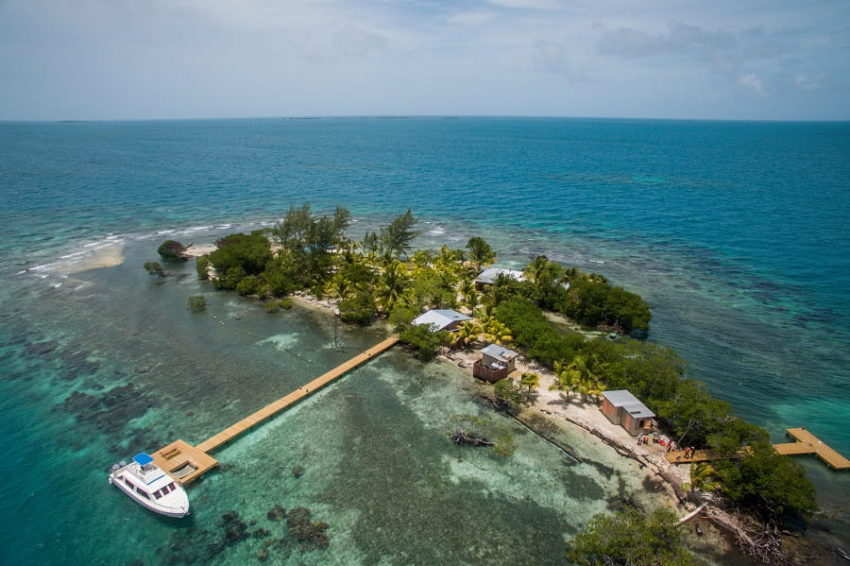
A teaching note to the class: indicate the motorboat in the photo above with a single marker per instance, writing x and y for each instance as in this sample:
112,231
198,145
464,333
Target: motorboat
146,484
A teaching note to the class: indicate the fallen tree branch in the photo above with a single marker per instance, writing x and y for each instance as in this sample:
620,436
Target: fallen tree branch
466,438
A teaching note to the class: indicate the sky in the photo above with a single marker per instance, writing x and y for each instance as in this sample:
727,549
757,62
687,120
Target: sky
167,59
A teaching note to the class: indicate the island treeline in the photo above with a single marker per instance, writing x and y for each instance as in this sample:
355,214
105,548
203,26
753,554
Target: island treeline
370,278
380,276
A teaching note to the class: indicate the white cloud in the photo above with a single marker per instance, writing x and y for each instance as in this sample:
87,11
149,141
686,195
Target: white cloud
680,38
752,83
173,58
527,4
809,83
472,18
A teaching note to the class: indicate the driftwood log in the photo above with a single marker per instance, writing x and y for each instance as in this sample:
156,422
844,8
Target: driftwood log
467,438
761,541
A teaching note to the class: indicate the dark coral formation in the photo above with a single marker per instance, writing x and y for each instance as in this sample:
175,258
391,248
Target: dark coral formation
276,513
110,411
198,546
310,535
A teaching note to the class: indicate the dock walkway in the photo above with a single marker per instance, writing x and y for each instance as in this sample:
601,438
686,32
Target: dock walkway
808,443
185,462
805,443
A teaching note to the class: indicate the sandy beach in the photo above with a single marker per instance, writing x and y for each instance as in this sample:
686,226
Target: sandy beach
588,416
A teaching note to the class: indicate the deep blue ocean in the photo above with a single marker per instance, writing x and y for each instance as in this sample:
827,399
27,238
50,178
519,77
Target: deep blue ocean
737,233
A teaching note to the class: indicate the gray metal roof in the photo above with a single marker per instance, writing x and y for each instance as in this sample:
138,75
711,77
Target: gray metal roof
623,398
499,352
489,276
439,319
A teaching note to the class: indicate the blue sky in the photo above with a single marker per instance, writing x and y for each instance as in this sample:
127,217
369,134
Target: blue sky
140,59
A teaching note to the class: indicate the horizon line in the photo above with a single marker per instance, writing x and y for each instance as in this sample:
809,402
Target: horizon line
411,116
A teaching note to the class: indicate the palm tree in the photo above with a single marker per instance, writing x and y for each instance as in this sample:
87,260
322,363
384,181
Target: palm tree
495,330
529,381
541,269
339,287
469,293
704,478
392,285
567,377
480,252
467,332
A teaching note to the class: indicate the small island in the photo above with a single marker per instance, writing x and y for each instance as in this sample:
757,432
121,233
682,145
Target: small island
555,343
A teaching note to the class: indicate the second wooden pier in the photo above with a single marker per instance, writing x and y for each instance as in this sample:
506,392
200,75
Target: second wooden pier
185,462
805,443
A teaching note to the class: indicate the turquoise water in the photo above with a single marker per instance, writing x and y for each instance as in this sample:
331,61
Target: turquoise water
735,232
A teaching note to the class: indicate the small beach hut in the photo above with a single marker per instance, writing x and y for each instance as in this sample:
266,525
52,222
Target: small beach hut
489,276
497,362
441,319
626,410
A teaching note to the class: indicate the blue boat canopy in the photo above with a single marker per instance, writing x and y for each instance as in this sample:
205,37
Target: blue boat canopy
142,459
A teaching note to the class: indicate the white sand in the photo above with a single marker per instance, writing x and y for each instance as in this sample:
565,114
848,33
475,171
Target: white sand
588,416
197,250
95,257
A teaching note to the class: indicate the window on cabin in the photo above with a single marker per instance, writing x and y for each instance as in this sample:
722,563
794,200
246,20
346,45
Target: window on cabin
142,493
129,483
157,494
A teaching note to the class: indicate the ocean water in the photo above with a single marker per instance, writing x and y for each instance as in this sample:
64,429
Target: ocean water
735,232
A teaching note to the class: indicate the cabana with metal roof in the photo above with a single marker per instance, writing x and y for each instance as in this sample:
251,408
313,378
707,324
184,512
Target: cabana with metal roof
623,408
441,319
489,276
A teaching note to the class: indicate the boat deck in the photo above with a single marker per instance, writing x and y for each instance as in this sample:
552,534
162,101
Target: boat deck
173,459
805,443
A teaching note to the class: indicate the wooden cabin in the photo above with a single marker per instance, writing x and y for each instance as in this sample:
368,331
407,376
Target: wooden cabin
626,410
497,362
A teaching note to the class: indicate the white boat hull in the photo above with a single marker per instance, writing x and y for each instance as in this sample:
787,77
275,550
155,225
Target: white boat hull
152,489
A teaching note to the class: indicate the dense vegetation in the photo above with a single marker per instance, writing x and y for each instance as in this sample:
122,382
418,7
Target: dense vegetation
170,250
758,481
381,277
587,298
630,537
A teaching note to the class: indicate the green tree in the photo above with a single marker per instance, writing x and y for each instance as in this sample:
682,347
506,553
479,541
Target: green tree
202,267
631,538
171,250
467,332
402,315
480,252
358,308
154,269
392,285
424,341
370,243
240,255
767,484
248,285
530,381
509,398
398,235
469,293
196,303
704,478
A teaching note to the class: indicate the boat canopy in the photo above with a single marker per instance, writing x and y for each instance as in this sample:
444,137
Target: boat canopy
142,459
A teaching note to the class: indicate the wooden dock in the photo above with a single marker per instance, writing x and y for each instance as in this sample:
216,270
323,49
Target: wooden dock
185,463
808,443
805,443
